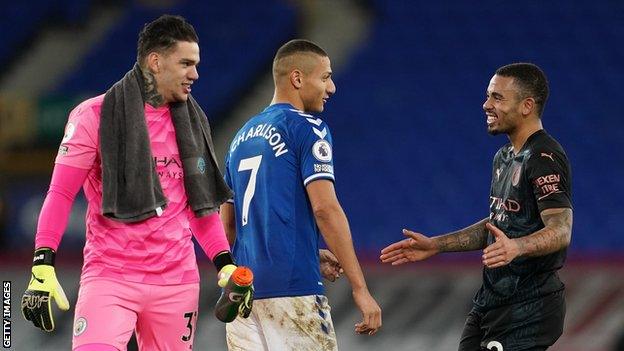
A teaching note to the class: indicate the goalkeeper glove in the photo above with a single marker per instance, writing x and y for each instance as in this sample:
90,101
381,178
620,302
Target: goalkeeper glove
43,287
224,275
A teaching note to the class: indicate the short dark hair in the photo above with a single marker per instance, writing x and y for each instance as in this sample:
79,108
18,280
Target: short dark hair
296,46
162,34
530,80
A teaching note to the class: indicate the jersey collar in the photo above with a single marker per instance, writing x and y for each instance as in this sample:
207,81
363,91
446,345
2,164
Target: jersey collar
529,141
281,106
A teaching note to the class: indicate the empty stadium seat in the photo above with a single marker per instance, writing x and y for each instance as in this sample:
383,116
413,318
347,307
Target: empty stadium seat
410,133
236,43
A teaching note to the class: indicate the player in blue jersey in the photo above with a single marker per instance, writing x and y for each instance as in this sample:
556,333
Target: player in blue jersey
280,167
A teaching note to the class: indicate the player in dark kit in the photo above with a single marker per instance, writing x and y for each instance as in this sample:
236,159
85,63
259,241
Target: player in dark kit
520,305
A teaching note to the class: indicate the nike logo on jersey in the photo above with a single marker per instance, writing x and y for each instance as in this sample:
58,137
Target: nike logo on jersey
550,156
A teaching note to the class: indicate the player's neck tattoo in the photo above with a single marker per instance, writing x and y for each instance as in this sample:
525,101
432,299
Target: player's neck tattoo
152,96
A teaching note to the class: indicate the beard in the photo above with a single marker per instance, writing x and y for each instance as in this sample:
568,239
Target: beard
500,130
492,131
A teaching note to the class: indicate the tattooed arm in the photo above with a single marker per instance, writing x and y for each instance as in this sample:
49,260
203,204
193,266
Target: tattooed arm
418,247
473,237
553,237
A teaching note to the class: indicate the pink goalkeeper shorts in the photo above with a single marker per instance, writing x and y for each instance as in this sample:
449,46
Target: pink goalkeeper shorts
108,311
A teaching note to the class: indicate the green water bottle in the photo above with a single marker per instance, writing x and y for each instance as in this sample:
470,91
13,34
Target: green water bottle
233,295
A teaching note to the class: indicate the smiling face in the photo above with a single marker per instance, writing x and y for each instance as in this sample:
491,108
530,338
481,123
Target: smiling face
175,71
316,84
503,106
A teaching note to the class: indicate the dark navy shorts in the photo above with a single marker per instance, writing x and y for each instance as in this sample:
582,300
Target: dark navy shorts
527,326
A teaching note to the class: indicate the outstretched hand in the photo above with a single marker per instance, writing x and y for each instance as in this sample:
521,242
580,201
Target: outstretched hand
330,267
502,251
416,247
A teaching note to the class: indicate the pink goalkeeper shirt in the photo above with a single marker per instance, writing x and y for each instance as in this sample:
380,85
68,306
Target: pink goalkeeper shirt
158,250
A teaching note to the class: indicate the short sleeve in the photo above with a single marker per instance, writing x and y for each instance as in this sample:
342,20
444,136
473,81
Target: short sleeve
80,141
315,150
227,177
549,173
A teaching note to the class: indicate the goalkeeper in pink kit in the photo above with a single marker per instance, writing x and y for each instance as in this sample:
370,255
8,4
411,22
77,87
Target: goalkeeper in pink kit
144,157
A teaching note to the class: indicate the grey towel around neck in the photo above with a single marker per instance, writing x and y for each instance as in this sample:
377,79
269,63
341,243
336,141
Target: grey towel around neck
131,189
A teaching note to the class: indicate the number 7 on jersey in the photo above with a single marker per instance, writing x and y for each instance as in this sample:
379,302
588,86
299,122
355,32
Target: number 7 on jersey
253,164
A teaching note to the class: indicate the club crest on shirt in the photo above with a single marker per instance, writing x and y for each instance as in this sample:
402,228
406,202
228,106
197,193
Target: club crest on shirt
494,345
80,326
322,150
515,174
201,165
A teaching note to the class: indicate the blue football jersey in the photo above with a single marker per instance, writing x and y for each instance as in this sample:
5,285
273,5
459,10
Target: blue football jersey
270,161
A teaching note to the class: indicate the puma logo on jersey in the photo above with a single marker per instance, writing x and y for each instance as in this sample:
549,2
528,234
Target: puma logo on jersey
550,156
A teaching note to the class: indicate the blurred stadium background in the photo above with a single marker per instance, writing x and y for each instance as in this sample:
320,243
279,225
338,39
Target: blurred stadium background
411,148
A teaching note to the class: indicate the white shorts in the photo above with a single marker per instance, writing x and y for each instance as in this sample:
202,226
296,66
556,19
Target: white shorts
299,323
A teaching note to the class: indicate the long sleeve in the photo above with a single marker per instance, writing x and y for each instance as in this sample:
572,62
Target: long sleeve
54,215
209,232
